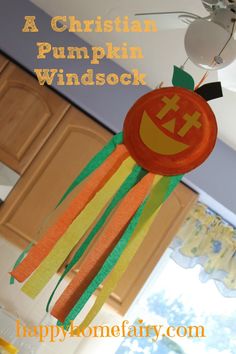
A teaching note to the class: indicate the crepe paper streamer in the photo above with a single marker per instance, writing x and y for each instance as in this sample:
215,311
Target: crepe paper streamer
150,212
8,347
182,79
110,261
135,176
19,260
55,232
173,182
210,91
76,231
106,268
158,195
96,161
103,246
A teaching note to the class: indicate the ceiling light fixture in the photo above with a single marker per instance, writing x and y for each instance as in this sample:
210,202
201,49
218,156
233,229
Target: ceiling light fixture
210,43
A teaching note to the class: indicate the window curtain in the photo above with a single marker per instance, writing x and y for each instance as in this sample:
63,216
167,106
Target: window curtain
206,239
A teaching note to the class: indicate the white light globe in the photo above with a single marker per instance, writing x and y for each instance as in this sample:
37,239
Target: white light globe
205,40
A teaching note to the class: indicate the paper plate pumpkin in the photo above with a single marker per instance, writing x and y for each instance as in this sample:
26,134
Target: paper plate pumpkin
170,131
167,132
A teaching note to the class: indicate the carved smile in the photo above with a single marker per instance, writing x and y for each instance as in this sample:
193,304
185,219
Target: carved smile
156,140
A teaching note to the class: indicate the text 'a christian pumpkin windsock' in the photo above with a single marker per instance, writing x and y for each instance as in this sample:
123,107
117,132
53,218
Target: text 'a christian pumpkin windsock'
167,133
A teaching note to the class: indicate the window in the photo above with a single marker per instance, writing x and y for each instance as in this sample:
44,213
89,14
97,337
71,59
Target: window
176,296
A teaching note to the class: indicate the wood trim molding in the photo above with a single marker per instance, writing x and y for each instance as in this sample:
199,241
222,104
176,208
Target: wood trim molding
3,62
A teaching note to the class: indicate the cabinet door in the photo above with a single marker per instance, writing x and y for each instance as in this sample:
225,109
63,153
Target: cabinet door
76,139
29,114
3,62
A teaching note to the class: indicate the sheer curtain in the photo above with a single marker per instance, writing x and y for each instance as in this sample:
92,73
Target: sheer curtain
206,239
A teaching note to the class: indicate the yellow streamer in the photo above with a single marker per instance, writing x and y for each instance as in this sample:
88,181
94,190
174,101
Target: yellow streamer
8,347
146,220
75,232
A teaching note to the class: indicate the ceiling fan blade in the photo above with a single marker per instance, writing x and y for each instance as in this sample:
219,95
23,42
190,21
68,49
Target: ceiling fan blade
169,20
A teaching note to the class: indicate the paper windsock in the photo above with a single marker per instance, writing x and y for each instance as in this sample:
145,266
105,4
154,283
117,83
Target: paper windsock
167,132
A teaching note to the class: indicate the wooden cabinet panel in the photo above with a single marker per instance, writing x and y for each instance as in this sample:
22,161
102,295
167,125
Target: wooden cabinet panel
29,114
74,142
3,62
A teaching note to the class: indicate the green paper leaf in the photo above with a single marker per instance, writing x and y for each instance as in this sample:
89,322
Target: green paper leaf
182,79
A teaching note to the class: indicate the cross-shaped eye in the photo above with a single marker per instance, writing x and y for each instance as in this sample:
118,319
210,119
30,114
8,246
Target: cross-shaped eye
191,121
170,105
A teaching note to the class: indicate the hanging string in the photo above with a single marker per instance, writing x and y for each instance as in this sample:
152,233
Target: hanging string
231,35
183,65
202,80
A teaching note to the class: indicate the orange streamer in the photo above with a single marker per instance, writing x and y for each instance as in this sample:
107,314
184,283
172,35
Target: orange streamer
102,247
96,181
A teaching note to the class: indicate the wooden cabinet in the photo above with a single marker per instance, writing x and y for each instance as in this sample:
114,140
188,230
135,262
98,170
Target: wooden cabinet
76,139
48,142
29,114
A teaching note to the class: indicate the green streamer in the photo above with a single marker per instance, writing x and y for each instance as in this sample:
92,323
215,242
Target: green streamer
19,259
165,186
174,181
136,175
93,164
182,79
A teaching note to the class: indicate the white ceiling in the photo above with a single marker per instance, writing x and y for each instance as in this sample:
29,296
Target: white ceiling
161,50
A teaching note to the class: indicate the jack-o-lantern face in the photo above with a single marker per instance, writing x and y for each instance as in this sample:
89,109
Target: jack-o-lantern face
170,131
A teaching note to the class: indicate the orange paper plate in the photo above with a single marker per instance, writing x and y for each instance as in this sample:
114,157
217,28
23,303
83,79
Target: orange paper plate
170,131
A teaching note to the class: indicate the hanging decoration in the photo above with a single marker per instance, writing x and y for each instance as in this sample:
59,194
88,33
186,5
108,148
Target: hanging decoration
167,132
